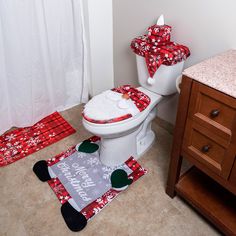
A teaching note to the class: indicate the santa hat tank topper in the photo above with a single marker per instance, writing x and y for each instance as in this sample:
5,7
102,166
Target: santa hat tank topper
157,48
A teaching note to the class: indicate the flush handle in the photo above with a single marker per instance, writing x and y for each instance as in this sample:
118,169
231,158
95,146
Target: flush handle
214,113
205,148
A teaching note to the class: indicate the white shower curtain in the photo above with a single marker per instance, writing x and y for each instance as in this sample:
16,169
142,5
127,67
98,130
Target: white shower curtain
42,59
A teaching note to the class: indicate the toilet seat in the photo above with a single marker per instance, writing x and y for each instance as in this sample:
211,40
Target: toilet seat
116,105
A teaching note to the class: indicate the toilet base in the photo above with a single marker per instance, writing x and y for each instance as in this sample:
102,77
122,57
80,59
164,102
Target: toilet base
146,136
145,144
115,151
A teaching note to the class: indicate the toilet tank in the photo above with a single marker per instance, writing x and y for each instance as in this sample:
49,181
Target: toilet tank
165,77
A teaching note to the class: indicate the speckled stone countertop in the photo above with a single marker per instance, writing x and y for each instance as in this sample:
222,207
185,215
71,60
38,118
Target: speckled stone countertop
218,72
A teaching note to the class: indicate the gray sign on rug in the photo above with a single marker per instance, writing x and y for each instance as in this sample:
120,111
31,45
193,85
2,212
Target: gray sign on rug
84,177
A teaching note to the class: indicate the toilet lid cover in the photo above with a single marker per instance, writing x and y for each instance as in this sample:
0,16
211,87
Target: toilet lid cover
116,105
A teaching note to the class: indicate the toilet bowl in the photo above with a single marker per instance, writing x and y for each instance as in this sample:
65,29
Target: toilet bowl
128,137
125,130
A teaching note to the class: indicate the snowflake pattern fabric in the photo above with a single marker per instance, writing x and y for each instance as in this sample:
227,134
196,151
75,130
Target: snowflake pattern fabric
157,48
131,166
22,142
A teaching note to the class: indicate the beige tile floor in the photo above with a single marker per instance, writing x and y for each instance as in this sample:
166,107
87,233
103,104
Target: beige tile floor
29,207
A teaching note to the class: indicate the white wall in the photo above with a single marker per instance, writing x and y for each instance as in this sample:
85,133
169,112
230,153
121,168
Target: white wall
100,26
207,27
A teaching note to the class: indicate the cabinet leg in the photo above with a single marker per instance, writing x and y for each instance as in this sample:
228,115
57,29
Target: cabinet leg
176,158
173,176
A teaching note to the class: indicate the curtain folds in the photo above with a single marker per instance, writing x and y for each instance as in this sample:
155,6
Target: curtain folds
43,59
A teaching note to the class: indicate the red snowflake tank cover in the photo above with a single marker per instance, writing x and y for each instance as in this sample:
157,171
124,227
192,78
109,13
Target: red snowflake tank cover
157,48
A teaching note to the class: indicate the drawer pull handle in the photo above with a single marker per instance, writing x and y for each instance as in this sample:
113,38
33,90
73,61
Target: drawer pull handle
214,113
205,148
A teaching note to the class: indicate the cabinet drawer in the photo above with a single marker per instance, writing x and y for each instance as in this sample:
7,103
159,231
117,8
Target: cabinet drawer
213,109
208,148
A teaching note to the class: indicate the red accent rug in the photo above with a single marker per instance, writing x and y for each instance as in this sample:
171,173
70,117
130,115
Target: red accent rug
136,171
22,142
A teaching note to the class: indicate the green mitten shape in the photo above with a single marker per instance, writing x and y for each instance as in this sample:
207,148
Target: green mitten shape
120,180
87,147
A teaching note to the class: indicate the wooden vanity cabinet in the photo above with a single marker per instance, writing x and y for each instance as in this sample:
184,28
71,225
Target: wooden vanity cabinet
205,135
209,130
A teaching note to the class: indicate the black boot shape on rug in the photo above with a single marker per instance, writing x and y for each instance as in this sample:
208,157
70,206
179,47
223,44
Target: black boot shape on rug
120,180
41,170
75,220
87,147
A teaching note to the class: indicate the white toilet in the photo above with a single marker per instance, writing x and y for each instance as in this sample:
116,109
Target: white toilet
124,130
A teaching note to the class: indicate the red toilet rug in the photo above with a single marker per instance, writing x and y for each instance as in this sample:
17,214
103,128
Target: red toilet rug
82,184
22,142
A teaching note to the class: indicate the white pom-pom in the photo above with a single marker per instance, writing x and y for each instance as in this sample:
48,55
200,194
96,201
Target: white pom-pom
150,81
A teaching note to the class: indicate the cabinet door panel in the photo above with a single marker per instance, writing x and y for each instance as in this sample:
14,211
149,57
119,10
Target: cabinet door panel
207,148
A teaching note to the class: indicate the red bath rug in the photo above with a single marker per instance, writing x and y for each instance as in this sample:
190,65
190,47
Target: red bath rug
136,171
22,142
79,179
